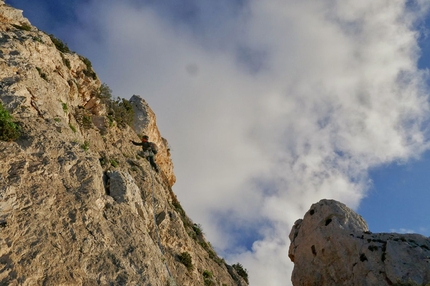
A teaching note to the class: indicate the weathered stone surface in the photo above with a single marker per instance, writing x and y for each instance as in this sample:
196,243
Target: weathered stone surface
332,245
77,206
12,15
145,124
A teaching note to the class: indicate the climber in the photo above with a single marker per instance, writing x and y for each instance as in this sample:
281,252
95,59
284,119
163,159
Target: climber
149,149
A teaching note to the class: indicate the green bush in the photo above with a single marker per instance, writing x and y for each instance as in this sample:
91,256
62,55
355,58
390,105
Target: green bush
89,71
241,271
66,62
103,160
122,111
9,130
114,163
207,274
104,93
42,74
65,107
119,110
198,229
111,124
72,127
62,47
87,121
84,118
24,27
38,39
86,146
207,278
185,258
177,205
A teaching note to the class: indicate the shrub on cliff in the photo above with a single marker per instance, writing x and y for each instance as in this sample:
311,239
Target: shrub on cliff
89,71
9,130
62,47
241,271
24,27
185,258
119,110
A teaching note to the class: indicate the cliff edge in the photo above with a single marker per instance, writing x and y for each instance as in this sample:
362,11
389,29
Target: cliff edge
77,205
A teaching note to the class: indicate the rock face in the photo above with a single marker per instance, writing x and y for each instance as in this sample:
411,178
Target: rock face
333,246
77,206
145,124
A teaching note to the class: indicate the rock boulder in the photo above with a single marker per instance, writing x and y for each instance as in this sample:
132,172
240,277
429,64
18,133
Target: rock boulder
332,245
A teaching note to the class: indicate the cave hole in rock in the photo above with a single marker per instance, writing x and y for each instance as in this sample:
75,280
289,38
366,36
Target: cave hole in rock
106,183
314,252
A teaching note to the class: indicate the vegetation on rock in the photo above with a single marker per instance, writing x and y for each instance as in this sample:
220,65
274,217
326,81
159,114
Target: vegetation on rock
207,278
66,62
85,146
73,128
81,182
89,71
241,271
65,107
114,163
119,110
62,47
23,27
185,258
42,74
9,130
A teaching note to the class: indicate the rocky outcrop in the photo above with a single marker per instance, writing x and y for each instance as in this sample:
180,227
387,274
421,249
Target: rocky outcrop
145,123
12,15
77,205
332,245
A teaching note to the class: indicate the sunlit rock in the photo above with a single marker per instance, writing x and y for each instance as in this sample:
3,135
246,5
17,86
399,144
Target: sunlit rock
332,245
77,206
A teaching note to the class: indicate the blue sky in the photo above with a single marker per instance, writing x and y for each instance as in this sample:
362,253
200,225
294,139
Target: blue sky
276,104
398,200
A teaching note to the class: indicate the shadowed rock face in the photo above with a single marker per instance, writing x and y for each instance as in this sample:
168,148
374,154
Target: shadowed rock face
332,245
77,205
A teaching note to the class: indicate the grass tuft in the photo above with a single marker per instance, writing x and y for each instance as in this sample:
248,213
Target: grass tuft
9,130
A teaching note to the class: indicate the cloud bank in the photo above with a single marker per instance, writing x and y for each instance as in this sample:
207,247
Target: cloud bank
269,106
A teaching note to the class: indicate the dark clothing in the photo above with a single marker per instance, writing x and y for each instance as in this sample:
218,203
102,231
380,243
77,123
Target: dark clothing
149,150
146,146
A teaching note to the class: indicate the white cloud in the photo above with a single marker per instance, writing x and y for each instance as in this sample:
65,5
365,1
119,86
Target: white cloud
402,230
277,107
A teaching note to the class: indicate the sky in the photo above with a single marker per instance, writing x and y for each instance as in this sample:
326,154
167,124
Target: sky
270,106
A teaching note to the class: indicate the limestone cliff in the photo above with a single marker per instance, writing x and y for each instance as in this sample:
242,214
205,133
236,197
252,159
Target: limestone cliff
332,245
77,205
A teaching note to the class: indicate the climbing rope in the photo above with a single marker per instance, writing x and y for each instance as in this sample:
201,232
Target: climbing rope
172,281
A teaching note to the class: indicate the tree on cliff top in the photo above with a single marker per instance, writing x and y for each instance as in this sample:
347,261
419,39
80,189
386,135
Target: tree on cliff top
119,110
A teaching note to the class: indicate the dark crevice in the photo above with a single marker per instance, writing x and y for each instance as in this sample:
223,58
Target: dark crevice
106,183
314,252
